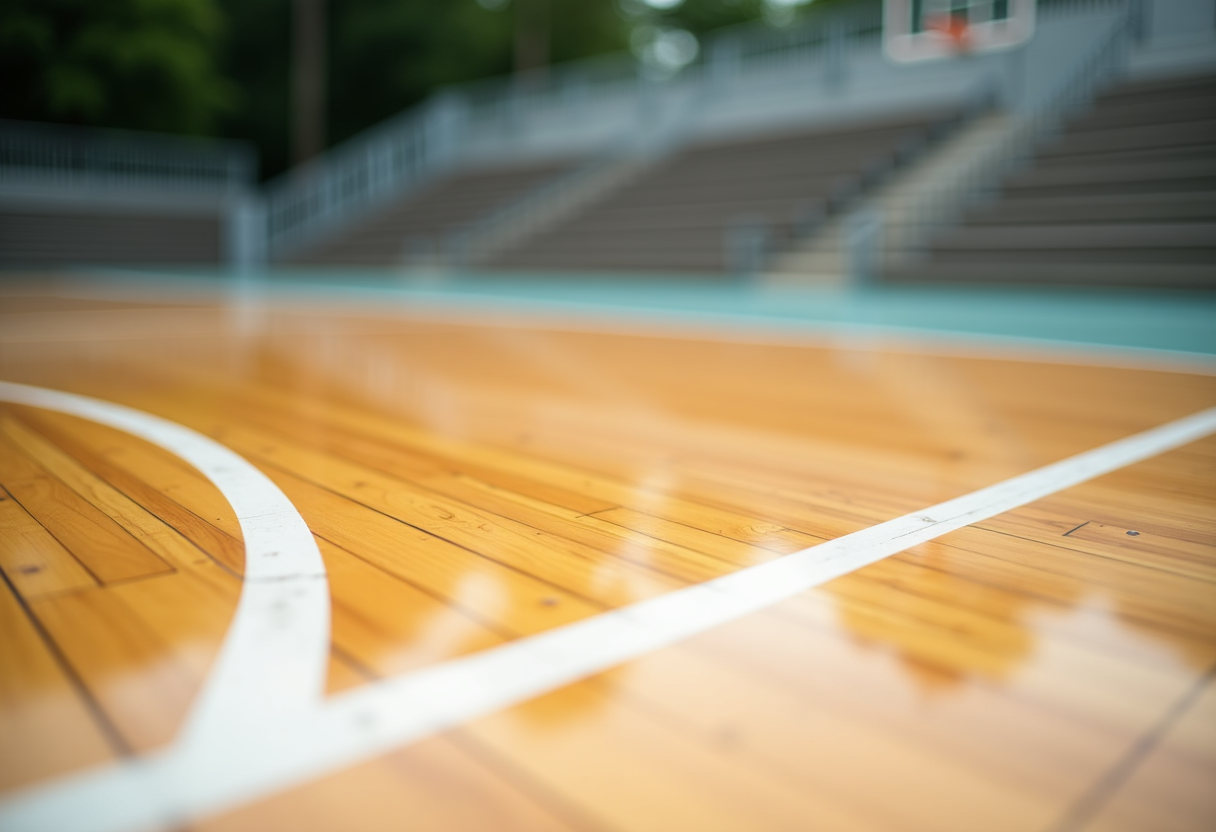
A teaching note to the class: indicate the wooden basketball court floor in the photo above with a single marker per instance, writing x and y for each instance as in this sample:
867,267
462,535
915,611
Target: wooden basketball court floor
448,562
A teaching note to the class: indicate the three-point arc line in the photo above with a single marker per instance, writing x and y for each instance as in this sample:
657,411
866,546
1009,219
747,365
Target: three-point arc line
261,723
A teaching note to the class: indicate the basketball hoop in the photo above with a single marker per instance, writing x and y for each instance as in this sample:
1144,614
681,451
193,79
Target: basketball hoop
954,28
927,30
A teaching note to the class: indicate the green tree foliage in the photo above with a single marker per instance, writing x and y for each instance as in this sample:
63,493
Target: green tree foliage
582,28
388,54
138,64
696,16
702,16
257,55
223,67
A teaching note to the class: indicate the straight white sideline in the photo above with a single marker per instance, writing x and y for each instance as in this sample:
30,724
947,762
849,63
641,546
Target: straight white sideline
243,760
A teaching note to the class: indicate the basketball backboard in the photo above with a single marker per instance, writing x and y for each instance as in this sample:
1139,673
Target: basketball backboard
925,30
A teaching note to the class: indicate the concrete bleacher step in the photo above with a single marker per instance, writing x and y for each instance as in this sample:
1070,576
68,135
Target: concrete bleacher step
1069,273
1200,152
33,236
421,218
1125,195
1110,237
1137,137
1173,86
1096,177
1170,206
822,259
1155,111
679,216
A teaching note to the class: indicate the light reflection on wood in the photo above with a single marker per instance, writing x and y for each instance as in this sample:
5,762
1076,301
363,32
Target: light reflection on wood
468,485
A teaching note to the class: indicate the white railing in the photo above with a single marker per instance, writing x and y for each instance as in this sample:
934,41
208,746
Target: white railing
116,162
634,105
617,93
362,172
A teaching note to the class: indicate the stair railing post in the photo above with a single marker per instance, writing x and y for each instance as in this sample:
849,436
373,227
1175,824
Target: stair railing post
835,70
745,246
246,239
245,232
1137,14
863,244
723,61
446,131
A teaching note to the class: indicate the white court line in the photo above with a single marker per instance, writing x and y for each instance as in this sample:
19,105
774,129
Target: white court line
242,761
269,664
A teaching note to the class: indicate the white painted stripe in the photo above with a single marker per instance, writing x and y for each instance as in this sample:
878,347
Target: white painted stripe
464,688
274,658
244,761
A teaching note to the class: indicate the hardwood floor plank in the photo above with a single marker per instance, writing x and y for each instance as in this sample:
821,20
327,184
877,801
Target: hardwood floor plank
414,460
433,786
1170,787
566,523
895,778
100,544
389,625
626,770
563,562
46,727
1108,690
1107,540
509,600
1015,738
175,494
1140,592
1158,551
547,488
472,484
32,559
159,537
935,580
660,529
124,663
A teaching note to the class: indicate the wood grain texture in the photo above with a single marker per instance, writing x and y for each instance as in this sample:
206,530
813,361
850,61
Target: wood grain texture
1168,786
34,561
46,727
471,484
101,545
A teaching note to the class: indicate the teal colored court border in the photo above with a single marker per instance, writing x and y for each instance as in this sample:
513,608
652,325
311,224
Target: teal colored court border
1181,323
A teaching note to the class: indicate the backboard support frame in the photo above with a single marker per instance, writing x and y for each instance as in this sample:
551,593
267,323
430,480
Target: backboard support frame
911,36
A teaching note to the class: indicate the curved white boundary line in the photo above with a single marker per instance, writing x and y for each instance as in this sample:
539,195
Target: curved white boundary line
255,749
273,661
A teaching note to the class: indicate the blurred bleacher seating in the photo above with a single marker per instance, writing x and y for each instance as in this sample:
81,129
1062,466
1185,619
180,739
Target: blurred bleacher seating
757,156
71,195
415,227
1124,195
689,210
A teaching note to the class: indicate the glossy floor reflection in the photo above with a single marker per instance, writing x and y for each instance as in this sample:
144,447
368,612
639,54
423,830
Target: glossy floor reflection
468,484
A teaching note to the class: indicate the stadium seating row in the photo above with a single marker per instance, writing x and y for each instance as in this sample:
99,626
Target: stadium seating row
1124,195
